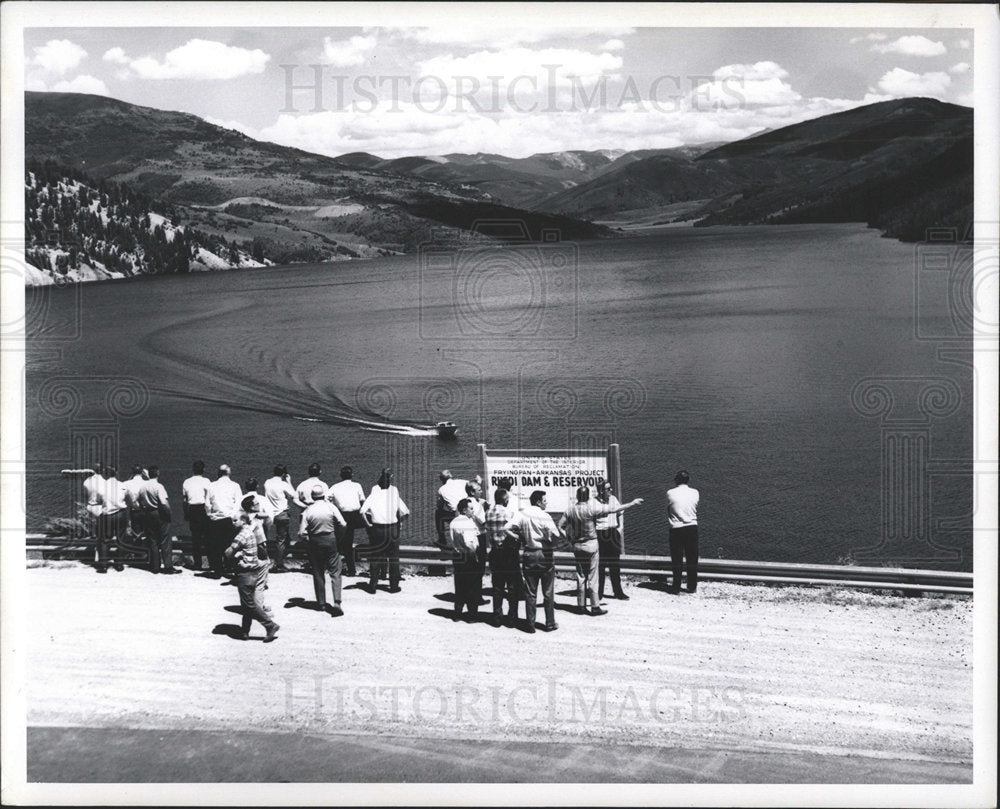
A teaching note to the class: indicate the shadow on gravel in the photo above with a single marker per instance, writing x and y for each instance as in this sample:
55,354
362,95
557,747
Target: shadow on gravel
661,585
229,630
301,603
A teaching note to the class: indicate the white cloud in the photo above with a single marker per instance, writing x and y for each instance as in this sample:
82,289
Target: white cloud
115,55
508,65
960,68
613,45
900,83
501,37
964,44
761,84
58,56
875,37
912,46
349,52
81,84
201,59
408,127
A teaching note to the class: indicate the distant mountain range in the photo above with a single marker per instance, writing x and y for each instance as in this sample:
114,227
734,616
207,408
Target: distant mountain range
901,166
300,206
525,182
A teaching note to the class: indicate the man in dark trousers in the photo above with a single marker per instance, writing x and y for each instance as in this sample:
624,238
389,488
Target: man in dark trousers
348,497
682,512
320,522
194,489
156,520
469,560
534,528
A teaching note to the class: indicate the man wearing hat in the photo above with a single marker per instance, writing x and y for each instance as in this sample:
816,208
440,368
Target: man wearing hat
222,507
320,522
248,554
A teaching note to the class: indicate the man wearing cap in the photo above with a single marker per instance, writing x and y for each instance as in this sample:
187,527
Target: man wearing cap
682,513
248,554
536,531
384,512
579,523
112,520
347,495
193,490
320,521
278,489
156,521
222,507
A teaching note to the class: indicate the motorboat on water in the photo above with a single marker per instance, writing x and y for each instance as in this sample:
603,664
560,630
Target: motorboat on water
446,429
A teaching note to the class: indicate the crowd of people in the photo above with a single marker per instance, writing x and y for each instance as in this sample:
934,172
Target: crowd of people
245,532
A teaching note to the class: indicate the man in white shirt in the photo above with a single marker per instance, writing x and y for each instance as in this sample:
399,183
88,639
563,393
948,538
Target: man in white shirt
156,519
347,495
91,487
278,491
222,507
536,530
468,561
452,490
383,512
304,491
682,513
609,539
112,520
132,486
193,491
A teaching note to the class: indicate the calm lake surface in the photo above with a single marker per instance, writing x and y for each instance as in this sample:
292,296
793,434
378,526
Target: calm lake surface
731,352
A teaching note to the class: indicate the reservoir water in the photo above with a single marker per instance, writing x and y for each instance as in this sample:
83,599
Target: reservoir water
789,369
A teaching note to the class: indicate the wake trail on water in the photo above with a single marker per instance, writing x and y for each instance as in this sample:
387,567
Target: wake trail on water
225,388
303,414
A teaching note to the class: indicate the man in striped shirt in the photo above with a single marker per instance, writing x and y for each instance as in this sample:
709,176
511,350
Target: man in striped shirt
505,574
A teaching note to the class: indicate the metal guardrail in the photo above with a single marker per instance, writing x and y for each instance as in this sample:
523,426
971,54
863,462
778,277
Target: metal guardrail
909,580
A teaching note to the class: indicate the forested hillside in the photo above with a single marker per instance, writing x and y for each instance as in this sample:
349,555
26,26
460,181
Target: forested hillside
80,229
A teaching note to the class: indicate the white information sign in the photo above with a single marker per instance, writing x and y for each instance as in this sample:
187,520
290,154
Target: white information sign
558,475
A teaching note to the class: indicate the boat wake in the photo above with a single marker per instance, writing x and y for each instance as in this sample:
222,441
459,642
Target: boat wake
338,417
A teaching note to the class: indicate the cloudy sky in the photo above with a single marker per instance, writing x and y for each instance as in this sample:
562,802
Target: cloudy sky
508,90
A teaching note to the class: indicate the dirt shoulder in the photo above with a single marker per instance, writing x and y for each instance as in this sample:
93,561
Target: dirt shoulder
734,668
